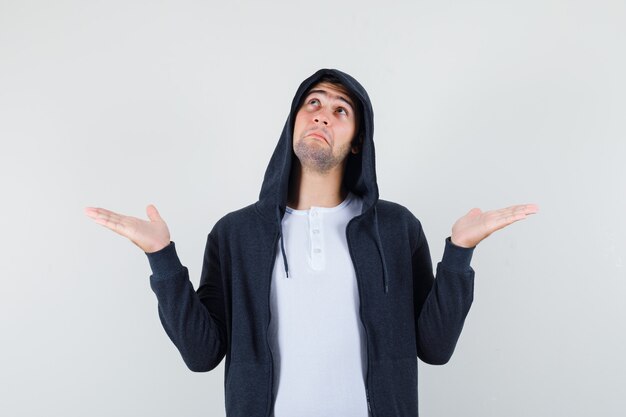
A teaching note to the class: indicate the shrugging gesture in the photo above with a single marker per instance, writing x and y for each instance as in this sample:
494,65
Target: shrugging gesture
476,225
150,236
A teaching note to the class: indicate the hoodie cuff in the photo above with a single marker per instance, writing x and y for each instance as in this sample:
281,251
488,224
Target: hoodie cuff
164,262
456,257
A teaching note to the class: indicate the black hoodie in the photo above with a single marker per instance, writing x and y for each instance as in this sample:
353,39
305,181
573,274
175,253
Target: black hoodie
406,312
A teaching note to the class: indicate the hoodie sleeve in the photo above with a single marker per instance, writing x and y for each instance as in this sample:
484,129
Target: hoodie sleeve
441,304
194,321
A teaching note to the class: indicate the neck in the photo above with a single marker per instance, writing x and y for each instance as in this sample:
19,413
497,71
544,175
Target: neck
310,188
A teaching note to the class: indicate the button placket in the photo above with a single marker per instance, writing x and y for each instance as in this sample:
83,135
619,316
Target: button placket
315,235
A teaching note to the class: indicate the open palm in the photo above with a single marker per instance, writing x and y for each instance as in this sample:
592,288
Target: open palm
150,236
476,225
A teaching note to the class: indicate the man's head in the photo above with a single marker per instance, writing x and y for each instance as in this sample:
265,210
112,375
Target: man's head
327,125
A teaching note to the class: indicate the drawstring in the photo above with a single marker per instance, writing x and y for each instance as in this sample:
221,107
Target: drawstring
280,235
379,245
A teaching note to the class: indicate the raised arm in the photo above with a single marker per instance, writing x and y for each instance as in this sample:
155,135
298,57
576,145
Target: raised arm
194,321
442,304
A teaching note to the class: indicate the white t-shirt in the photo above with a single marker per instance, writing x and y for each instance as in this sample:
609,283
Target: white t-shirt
316,336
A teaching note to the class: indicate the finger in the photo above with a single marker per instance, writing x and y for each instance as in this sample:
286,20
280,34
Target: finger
474,212
108,219
114,223
98,212
531,208
153,213
90,211
103,214
526,209
506,219
500,222
517,209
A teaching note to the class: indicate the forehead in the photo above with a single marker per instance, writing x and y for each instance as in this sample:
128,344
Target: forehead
332,91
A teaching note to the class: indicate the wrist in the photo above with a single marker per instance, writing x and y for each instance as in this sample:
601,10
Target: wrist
455,257
461,243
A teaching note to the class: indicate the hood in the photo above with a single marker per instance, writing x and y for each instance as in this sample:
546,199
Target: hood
360,174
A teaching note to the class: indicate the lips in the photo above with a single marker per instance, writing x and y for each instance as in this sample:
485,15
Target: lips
318,135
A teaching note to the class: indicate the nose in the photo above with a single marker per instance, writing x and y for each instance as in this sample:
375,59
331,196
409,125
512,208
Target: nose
322,117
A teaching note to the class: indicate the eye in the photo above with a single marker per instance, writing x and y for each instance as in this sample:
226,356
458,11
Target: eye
344,110
312,100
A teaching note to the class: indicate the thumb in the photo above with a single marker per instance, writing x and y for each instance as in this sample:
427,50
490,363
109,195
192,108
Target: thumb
153,213
474,212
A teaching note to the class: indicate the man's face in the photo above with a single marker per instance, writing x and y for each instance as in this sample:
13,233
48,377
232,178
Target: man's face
324,128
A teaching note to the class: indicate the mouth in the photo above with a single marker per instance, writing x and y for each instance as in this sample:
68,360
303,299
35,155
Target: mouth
319,136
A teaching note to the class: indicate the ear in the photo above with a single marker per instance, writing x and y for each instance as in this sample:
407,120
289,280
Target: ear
357,143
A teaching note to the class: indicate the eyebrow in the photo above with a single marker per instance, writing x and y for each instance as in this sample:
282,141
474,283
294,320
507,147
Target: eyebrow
338,96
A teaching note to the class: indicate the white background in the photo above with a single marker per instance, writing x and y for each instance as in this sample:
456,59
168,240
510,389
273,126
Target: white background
119,104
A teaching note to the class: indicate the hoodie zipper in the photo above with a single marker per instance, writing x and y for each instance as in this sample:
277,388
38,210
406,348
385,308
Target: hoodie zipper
269,308
358,282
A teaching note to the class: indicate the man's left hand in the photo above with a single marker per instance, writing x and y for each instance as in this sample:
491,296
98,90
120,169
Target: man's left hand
476,225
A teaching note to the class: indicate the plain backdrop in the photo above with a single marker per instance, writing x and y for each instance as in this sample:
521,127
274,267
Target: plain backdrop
119,104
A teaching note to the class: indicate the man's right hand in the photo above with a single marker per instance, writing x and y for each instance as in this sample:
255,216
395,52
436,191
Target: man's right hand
150,236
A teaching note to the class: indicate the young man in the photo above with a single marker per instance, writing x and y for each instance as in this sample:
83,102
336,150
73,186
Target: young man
320,295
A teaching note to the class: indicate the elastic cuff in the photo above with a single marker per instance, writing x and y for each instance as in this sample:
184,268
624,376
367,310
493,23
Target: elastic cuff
164,262
456,257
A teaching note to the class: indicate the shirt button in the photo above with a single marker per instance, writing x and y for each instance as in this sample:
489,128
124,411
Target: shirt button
316,231
317,250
